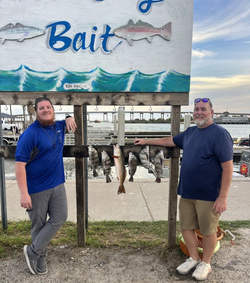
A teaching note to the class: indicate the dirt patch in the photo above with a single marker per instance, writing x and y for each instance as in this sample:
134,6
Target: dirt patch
127,265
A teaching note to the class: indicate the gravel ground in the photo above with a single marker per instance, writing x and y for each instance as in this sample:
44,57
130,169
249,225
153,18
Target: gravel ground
126,265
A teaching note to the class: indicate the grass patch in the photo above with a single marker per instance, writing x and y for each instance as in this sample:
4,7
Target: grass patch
101,234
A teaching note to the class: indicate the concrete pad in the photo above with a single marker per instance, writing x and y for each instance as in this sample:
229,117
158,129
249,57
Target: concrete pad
144,200
106,204
156,196
14,210
238,207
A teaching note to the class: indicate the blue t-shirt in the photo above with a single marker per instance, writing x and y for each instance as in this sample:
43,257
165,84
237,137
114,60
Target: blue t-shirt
43,153
203,152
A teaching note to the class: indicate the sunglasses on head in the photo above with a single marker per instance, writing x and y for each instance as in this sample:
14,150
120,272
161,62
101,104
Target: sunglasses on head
205,100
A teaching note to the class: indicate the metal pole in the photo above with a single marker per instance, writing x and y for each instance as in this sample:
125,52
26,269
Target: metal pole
121,125
2,183
85,142
115,128
24,118
187,119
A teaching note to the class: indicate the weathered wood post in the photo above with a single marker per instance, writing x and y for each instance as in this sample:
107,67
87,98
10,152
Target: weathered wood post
2,183
173,181
80,180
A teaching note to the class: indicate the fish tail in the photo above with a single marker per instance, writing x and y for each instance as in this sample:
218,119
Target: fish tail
158,180
150,170
108,180
121,190
95,173
131,179
166,31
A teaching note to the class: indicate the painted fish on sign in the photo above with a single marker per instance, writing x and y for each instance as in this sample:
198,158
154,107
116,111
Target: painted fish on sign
142,30
19,32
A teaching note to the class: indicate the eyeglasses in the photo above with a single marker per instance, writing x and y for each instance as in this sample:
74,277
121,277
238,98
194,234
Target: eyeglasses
205,100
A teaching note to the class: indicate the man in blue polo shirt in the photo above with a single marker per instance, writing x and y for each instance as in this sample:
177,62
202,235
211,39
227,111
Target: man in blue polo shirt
205,178
40,178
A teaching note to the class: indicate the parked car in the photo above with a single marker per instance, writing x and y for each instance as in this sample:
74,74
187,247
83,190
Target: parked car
245,162
244,142
9,127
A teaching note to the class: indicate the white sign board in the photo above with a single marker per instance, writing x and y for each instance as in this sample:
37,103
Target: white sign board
96,45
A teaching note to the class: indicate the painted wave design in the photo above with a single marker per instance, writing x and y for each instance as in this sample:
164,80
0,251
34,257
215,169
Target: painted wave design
97,80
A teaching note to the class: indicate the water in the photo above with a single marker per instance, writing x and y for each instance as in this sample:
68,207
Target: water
235,131
97,80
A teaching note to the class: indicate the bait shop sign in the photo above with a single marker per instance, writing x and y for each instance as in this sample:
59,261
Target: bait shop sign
95,45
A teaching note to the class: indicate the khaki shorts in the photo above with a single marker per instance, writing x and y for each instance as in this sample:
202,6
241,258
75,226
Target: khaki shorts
198,214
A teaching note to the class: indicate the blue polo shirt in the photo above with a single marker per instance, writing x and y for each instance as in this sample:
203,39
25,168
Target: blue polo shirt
42,149
203,152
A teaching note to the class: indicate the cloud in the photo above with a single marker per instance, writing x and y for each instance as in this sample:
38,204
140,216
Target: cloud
228,23
202,53
215,83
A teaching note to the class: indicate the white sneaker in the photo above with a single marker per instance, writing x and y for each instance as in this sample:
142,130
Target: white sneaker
189,265
202,271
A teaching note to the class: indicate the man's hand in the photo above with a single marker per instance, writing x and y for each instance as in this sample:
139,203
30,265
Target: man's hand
139,141
25,201
220,205
70,124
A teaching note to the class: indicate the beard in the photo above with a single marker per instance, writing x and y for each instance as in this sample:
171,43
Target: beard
201,123
46,123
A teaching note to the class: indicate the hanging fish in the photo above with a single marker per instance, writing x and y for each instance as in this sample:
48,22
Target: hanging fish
158,162
132,165
119,168
94,160
106,165
144,157
140,30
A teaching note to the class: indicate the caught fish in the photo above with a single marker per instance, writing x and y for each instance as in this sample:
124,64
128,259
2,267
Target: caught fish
141,30
19,32
144,157
158,162
119,168
94,160
106,165
132,166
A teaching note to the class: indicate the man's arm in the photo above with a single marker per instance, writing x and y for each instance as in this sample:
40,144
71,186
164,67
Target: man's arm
167,142
220,204
25,200
70,124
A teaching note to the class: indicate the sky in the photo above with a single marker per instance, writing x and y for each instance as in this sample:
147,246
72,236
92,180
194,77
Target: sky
220,66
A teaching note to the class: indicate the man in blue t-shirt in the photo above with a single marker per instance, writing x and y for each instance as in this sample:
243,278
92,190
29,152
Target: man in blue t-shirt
205,178
40,178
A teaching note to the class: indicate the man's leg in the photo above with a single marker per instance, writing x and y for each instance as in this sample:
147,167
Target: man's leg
188,224
209,244
191,242
38,217
58,212
208,222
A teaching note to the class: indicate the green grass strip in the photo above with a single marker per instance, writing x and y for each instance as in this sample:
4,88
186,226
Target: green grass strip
102,234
